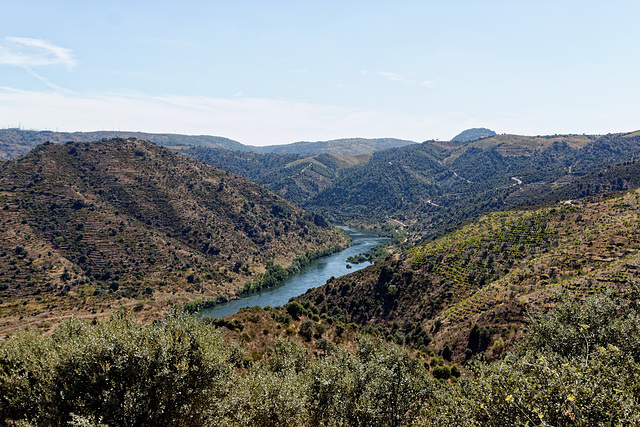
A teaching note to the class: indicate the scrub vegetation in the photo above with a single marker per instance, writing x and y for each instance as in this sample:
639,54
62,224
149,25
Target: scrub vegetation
577,365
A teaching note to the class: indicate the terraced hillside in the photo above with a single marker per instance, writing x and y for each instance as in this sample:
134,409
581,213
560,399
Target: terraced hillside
88,227
470,290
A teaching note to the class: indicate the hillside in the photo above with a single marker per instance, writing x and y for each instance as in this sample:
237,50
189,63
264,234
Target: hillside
577,364
470,290
430,188
294,177
87,227
424,190
555,284
437,185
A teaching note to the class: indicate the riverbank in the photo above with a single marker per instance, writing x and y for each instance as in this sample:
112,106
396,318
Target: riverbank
313,275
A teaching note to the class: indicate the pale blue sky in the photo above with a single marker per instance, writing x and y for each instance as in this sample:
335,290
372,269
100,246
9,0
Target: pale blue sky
272,72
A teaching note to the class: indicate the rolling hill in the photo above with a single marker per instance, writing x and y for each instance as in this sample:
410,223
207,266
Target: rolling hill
294,177
89,226
336,147
434,186
559,280
16,142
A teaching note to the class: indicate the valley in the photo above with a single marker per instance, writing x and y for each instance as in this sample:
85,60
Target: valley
504,251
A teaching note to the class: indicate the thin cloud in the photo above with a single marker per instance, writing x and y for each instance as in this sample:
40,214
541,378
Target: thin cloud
404,79
46,81
395,77
29,52
254,121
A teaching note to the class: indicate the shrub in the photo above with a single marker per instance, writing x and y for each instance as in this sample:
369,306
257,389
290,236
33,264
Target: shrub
117,371
306,329
295,309
441,372
455,371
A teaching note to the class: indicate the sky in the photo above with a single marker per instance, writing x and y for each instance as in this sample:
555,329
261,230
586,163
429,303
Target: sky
275,72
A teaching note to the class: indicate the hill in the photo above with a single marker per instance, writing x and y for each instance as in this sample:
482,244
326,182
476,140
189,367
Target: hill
469,291
337,147
474,134
576,364
88,226
426,189
18,142
437,185
423,190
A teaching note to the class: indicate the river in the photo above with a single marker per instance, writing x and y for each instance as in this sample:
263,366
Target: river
315,274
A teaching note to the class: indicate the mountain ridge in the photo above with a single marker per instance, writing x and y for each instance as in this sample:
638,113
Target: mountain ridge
16,142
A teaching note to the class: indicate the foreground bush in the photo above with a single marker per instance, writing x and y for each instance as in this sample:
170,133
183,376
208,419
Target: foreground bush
577,366
181,372
118,372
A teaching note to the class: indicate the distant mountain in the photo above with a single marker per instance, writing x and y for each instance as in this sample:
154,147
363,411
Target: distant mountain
337,147
473,135
129,222
17,142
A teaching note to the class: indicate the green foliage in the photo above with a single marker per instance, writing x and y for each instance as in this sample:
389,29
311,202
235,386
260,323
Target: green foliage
295,309
576,327
181,372
200,304
119,371
441,372
276,275
576,366
377,386
306,329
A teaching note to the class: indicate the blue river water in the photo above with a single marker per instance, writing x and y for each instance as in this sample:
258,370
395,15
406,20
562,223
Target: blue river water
313,275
